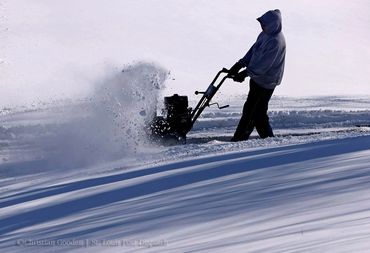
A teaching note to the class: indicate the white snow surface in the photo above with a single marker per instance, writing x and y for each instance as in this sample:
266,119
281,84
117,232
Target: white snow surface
80,176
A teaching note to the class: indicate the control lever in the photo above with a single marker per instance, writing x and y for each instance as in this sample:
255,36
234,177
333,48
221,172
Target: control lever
219,107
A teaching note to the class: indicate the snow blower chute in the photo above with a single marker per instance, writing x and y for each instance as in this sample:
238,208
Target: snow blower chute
178,119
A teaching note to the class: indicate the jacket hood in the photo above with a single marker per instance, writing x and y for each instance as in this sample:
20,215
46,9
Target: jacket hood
271,22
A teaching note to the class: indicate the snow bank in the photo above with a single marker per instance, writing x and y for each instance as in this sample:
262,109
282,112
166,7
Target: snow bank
294,112
290,119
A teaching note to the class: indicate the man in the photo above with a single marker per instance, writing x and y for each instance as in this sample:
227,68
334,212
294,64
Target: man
264,64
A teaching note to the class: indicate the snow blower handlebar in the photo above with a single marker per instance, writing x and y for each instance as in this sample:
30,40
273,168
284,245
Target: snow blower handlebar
208,95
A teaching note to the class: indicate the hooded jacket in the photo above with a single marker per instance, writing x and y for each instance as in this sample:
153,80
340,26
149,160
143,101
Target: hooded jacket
265,60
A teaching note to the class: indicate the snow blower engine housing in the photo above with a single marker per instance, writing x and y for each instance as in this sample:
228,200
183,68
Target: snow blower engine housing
178,119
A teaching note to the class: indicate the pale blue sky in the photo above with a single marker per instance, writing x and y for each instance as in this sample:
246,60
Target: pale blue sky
52,48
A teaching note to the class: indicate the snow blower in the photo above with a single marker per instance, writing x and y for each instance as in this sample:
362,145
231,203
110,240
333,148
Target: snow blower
178,119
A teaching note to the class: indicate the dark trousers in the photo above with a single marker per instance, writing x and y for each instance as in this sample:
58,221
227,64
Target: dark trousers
255,114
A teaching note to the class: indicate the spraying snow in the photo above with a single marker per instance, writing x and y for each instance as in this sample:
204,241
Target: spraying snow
107,126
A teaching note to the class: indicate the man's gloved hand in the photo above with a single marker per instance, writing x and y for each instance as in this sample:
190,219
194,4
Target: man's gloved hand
240,77
235,69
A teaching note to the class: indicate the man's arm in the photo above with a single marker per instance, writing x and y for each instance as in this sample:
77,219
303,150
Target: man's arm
260,66
243,62
247,58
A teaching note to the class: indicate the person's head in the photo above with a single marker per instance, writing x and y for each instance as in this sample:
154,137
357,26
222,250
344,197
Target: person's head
271,22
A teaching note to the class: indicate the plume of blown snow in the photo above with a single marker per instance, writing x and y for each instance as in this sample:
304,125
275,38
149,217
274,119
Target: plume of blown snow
111,123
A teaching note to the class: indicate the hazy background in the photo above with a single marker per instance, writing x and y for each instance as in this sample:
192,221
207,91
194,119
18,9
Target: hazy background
52,49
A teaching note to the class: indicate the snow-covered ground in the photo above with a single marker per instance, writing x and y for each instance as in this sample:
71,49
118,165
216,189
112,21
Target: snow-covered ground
78,176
